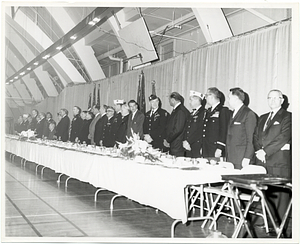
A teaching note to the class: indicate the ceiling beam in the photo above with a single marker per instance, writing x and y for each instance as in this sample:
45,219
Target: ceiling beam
84,52
78,32
213,24
260,15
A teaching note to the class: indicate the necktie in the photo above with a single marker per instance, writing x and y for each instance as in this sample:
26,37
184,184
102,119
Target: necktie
152,112
268,120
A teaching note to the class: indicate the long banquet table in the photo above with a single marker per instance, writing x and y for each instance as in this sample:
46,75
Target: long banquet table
149,184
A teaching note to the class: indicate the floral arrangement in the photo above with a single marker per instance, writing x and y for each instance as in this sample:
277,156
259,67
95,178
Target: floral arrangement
29,134
137,148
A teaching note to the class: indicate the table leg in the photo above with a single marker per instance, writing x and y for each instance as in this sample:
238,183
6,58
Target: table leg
243,220
96,193
36,168
284,219
112,201
58,179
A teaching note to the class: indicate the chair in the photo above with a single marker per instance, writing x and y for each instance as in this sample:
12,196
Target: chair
198,198
224,199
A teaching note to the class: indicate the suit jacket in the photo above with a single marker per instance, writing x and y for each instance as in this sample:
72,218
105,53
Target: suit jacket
193,133
76,127
215,127
275,141
92,127
42,128
83,135
62,128
239,141
155,126
136,124
122,130
175,129
99,129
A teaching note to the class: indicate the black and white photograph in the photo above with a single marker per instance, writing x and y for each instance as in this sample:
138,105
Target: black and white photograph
153,122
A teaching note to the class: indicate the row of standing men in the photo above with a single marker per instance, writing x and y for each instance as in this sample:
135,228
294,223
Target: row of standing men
209,130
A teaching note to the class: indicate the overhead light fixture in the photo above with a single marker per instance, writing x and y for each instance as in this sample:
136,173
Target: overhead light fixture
46,56
11,80
16,77
22,73
28,68
7,83
36,63
92,23
59,47
73,37
96,19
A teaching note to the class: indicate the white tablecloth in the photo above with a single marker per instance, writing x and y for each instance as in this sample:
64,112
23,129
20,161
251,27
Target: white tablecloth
151,185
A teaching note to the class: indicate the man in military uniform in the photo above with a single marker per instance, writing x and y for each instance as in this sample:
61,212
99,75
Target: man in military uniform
155,123
118,107
215,125
109,129
192,140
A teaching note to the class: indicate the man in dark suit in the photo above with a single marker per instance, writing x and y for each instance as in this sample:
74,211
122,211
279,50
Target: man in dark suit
96,112
239,141
215,124
122,130
192,139
155,123
62,128
42,127
176,125
99,127
272,141
135,120
76,124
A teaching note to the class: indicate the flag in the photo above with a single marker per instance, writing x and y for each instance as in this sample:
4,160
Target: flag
153,87
141,93
94,95
98,95
90,102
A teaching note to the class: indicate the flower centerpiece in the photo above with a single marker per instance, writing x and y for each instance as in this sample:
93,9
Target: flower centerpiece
138,149
28,134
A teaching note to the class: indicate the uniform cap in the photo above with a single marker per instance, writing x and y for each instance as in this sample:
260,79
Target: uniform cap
197,94
118,101
152,97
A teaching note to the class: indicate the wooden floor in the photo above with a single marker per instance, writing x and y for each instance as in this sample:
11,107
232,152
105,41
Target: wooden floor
37,207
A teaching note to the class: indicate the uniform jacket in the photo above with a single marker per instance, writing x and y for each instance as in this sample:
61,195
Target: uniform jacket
275,141
83,135
239,141
76,127
136,124
122,130
155,126
42,128
92,127
109,131
62,128
175,129
215,130
98,136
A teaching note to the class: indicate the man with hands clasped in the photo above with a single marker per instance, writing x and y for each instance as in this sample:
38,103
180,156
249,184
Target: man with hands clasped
192,140
272,139
155,123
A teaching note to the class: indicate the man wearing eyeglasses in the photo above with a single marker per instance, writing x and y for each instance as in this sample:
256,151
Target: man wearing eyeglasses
272,140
